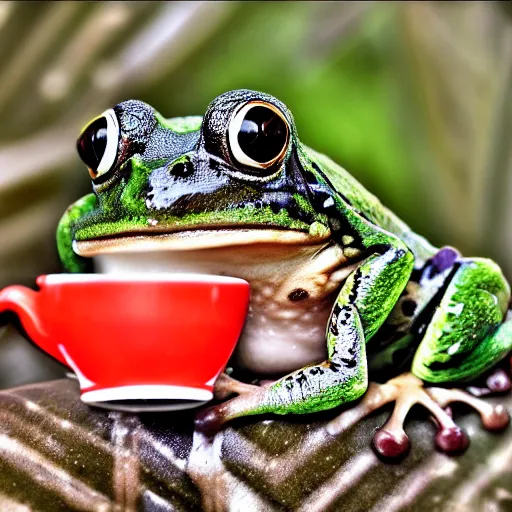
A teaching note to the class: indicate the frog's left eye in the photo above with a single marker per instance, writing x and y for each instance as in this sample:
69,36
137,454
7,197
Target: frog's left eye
258,135
98,143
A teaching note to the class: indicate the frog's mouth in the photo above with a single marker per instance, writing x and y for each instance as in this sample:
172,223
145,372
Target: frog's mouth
197,238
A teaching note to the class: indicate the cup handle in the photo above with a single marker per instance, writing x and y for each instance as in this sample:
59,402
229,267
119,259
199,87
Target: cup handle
24,303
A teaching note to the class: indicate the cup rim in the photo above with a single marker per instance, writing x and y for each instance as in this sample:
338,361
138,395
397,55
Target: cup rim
127,277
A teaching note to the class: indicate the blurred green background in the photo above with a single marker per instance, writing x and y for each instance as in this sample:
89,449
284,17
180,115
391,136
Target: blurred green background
413,98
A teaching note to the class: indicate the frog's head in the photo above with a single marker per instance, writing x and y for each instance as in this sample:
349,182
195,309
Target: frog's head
233,177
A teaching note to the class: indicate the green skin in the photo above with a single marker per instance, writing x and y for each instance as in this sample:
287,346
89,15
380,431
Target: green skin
437,314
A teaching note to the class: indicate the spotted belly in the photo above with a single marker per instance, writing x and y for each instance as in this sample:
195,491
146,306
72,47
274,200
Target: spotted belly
278,340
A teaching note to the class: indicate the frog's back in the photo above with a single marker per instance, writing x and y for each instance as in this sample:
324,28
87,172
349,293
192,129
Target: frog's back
370,206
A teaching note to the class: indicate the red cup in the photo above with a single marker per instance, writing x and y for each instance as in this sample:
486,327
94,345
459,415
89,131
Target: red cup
136,341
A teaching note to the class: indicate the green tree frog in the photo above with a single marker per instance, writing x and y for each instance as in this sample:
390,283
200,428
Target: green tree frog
340,287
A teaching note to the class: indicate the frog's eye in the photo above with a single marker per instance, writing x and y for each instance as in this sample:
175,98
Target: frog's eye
98,143
258,135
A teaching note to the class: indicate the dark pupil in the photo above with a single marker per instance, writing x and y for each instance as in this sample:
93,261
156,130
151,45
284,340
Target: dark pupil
262,135
92,143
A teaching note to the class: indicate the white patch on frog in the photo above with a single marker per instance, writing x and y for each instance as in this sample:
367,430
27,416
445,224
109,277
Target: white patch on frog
453,349
456,309
328,202
280,335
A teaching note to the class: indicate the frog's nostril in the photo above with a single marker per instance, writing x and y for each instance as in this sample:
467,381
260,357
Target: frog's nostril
182,169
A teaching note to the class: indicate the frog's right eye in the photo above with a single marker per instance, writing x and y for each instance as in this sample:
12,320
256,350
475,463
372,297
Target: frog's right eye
98,144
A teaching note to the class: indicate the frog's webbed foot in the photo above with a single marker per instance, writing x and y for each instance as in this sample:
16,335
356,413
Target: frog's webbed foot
407,391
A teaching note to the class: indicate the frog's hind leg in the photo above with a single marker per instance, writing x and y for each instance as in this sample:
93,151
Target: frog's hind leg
463,337
466,336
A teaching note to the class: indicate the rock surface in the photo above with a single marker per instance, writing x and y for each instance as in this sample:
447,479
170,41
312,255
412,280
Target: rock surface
57,454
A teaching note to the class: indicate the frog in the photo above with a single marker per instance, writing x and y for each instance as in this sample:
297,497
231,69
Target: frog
342,289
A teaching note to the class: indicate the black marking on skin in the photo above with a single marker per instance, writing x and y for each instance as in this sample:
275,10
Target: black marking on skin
276,208
358,276
457,359
333,328
300,377
402,356
182,169
350,362
214,164
320,194
340,194
417,273
422,321
298,295
145,191
222,191
331,186
409,307
335,367
343,317
278,201
442,260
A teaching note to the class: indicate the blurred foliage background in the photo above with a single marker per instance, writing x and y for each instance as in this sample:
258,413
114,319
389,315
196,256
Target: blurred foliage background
413,98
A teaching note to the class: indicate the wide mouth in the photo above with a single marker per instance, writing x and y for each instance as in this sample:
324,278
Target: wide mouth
142,277
147,398
194,239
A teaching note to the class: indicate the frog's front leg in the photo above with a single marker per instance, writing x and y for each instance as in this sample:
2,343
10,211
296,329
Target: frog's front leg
71,261
364,302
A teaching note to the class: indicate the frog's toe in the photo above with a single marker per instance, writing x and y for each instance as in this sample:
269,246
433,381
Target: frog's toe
406,390
497,419
494,417
499,381
452,440
208,421
391,443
